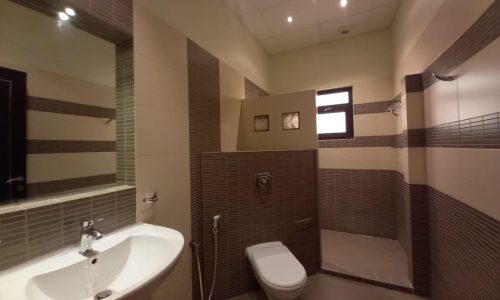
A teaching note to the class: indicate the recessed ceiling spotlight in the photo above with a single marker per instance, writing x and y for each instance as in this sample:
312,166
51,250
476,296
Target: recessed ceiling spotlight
343,3
70,12
289,19
63,16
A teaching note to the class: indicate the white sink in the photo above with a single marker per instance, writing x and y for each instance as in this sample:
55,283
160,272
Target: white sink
124,263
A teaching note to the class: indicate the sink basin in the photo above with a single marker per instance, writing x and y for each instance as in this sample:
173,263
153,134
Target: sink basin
123,263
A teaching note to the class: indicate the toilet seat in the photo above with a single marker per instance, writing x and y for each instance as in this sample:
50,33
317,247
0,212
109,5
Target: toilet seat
276,266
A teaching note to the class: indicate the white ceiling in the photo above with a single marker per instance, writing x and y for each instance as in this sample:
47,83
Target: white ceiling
314,21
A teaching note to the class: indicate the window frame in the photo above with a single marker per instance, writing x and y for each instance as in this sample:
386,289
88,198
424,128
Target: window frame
345,107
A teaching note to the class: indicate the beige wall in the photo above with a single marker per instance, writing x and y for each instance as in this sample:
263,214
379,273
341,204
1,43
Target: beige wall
359,59
424,29
162,137
277,138
347,62
216,28
35,41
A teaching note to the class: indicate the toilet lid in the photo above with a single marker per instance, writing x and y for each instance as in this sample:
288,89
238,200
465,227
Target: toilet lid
277,266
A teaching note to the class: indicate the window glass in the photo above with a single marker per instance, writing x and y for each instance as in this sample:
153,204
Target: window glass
331,123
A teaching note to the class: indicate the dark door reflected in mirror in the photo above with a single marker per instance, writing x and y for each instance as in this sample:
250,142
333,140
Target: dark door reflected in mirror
12,134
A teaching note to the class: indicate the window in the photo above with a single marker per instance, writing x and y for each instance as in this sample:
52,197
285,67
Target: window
334,117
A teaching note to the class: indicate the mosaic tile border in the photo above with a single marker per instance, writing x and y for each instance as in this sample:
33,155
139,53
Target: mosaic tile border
33,230
48,187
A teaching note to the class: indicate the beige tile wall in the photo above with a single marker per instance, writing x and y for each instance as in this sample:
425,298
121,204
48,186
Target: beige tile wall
57,166
47,126
418,40
367,158
162,158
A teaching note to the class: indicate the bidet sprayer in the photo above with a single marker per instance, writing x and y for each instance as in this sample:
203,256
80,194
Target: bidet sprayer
216,221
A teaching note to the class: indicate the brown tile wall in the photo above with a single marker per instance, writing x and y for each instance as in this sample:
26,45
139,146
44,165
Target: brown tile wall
358,201
361,141
253,91
481,132
248,219
403,218
64,146
465,250
56,186
29,233
420,248
204,130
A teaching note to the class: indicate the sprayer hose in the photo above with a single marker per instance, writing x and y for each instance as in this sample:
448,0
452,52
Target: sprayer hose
214,230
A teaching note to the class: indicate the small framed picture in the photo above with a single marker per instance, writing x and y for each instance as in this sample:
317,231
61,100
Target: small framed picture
291,121
261,123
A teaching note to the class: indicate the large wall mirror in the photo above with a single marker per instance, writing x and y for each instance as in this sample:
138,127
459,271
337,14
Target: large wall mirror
57,106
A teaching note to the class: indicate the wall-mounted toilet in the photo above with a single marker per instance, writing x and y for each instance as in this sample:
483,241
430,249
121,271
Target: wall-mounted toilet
279,273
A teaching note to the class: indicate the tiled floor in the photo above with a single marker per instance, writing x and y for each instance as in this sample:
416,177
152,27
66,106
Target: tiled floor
326,287
364,256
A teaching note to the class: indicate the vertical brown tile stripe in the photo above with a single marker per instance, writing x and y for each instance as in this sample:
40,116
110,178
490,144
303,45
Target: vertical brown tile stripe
358,201
248,219
110,20
465,250
49,187
204,130
403,217
253,91
412,83
420,252
29,233
125,114
484,31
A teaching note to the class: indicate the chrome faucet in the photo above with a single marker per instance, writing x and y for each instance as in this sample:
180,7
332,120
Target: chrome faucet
88,234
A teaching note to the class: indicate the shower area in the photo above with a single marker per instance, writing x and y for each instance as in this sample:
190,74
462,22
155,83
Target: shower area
359,221
363,214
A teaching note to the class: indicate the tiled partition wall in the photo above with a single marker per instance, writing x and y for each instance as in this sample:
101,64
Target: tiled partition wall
204,130
213,86
36,228
462,160
228,181
451,167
